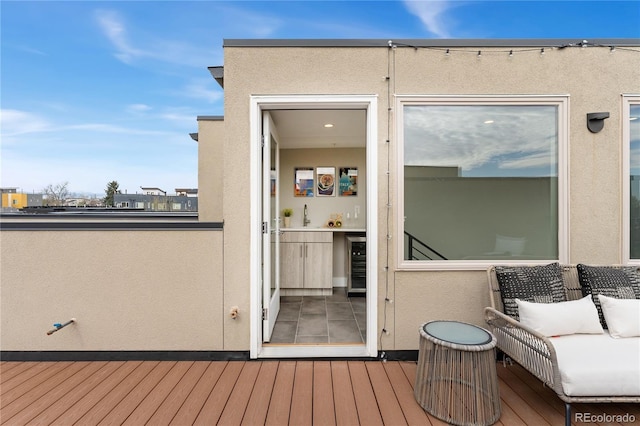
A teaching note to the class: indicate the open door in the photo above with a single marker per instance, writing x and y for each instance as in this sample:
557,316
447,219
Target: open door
270,228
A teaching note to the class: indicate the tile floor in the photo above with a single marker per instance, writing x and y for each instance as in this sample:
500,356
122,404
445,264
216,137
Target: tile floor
321,319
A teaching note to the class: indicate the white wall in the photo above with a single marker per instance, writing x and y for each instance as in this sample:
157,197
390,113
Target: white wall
321,208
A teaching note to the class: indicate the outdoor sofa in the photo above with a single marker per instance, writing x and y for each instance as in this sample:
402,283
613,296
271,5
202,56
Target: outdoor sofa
543,319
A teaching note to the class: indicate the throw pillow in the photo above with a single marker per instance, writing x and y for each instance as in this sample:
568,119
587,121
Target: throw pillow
558,319
622,316
540,284
622,282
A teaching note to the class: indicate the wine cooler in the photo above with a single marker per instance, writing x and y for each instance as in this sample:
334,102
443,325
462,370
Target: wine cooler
356,265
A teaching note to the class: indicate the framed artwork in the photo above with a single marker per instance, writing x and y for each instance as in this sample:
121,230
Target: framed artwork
303,185
326,181
348,182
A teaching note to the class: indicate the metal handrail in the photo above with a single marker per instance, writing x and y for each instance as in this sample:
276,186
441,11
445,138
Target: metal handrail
420,249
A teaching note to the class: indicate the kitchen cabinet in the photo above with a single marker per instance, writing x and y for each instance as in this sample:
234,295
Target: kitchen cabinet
306,262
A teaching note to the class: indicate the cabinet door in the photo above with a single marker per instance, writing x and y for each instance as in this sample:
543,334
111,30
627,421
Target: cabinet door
291,265
318,265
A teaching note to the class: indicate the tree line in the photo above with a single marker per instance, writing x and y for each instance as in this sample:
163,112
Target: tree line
56,194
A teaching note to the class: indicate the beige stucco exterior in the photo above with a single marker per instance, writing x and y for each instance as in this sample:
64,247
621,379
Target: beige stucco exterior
593,78
172,290
128,290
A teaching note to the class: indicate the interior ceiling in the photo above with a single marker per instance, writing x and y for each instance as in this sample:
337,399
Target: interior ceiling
304,128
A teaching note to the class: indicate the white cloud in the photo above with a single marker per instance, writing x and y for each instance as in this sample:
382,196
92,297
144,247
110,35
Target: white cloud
246,21
113,27
133,44
518,138
138,108
27,49
182,117
15,122
431,13
203,89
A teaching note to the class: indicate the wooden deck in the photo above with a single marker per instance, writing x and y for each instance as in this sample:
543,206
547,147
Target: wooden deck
251,393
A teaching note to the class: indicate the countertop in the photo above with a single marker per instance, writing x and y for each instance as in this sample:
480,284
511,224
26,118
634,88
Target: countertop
323,229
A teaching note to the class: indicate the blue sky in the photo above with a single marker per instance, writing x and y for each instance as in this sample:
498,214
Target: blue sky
94,91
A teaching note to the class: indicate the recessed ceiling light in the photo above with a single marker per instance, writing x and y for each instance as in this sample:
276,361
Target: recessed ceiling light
488,122
328,125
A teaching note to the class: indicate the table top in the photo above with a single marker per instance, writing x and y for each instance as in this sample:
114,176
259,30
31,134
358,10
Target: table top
456,332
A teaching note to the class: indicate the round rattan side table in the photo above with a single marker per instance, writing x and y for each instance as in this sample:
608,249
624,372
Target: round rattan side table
456,377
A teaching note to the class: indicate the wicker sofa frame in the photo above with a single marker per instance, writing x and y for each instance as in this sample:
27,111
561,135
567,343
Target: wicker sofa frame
532,350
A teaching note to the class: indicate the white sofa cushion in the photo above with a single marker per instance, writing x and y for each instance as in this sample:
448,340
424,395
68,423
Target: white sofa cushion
598,365
622,316
557,319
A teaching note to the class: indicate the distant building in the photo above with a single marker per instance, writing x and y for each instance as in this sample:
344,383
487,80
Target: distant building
157,200
152,191
12,200
83,202
188,192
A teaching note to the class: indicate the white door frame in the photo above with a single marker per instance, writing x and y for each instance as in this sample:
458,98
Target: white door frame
271,222
268,102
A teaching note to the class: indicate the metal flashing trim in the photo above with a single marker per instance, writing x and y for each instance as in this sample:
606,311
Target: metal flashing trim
217,73
109,226
429,42
210,118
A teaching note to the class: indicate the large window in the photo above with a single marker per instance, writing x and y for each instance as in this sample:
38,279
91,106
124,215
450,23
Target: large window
482,179
631,132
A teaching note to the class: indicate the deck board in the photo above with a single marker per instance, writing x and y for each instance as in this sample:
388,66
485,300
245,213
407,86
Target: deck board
93,397
32,378
239,399
280,404
189,411
387,401
253,393
178,395
72,397
13,369
343,399
323,404
368,412
57,387
258,404
413,413
214,405
154,399
302,397
118,393
541,407
119,414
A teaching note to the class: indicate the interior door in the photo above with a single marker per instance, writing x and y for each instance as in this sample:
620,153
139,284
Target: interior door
270,227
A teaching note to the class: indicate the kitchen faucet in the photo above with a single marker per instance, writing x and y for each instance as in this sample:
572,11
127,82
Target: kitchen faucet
306,220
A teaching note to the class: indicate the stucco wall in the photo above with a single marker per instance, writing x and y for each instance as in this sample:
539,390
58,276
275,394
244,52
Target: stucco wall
593,78
128,290
210,169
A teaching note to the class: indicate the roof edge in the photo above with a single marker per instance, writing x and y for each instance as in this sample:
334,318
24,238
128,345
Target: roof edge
210,118
431,42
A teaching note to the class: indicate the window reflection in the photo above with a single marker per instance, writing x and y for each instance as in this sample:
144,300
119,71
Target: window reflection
480,181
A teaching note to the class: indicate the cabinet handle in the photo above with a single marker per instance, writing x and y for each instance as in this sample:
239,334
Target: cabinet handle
306,248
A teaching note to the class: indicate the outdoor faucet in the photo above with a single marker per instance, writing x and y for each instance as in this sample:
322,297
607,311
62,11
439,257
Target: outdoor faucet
306,220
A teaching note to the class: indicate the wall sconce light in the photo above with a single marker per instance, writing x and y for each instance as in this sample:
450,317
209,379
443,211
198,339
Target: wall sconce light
595,121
